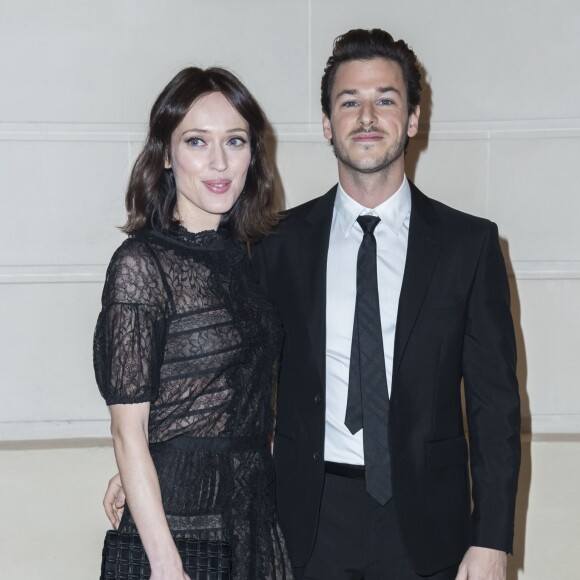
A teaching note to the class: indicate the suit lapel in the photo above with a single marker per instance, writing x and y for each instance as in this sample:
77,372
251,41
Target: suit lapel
422,255
314,253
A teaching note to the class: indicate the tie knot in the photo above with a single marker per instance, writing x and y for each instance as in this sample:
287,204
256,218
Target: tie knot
368,223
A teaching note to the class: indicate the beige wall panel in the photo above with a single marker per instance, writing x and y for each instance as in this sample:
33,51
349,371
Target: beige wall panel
547,321
453,172
46,358
533,194
58,56
307,170
484,60
106,61
53,524
65,199
547,524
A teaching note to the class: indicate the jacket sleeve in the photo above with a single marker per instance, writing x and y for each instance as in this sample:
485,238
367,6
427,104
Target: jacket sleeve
492,400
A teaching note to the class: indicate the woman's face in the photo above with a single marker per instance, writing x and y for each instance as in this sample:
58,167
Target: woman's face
210,156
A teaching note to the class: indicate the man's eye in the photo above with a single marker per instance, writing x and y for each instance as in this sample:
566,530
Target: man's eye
386,102
349,104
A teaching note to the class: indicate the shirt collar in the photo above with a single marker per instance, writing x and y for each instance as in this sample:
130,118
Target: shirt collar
392,211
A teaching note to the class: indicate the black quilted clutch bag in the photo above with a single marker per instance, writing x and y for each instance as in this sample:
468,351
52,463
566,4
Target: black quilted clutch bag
124,558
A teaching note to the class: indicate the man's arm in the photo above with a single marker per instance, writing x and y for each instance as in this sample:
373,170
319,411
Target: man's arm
493,415
492,400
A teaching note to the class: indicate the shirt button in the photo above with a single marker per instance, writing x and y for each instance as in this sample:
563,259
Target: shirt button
316,456
317,398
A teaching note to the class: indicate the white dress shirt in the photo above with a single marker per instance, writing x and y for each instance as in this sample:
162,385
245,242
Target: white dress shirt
346,235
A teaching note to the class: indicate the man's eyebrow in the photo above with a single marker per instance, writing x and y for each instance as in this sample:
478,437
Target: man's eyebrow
349,92
381,90
388,90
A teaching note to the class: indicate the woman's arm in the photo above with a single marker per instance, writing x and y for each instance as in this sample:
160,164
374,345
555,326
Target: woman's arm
129,425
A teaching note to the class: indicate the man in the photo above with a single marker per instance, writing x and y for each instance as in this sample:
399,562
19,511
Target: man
381,326
444,316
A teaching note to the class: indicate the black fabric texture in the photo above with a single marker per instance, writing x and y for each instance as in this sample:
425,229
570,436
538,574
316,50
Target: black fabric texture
185,326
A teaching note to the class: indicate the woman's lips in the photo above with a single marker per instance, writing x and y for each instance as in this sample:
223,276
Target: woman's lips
218,185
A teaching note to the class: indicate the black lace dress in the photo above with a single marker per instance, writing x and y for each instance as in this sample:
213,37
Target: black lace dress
184,326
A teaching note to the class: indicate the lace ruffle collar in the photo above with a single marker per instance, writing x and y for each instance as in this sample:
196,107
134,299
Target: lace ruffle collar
211,242
208,239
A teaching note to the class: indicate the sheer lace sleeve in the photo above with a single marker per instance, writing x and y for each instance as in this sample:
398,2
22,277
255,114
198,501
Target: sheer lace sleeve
130,334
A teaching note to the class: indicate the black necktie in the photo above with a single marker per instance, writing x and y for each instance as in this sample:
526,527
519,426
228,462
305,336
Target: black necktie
368,396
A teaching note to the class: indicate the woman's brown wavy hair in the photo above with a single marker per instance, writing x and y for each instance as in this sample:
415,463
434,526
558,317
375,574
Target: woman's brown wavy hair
151,193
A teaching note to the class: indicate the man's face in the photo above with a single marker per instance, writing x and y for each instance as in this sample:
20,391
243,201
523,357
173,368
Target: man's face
369,121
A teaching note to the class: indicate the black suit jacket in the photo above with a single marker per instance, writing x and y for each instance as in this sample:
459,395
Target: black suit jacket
453,323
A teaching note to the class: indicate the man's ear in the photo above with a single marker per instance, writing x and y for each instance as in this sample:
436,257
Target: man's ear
413,126
326,129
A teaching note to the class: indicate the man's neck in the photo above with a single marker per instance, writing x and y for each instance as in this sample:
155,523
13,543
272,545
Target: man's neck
371,189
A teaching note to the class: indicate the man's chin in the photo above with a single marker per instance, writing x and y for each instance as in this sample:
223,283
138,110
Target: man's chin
368,166
369,160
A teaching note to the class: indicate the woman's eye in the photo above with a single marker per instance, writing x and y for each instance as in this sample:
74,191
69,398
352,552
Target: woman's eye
195,141
237,141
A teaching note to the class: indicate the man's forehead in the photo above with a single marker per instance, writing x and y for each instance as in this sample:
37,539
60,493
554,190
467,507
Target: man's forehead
372,69
379,74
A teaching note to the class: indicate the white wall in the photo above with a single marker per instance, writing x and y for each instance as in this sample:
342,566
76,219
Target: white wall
500,138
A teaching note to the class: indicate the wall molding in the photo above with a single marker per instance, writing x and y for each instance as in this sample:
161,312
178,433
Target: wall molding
73,132
53,274
552,424
107,442
299,132
95,273
69,429
544,270
543,427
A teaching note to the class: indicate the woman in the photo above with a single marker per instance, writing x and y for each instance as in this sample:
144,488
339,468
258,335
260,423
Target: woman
186,344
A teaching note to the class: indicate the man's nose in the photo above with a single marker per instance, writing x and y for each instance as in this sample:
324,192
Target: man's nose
367,114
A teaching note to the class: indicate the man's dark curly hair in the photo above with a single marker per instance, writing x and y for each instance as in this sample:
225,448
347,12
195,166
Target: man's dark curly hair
361,44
